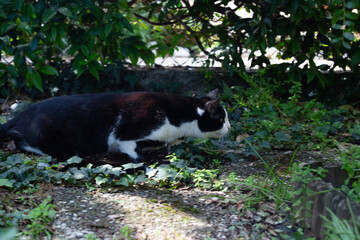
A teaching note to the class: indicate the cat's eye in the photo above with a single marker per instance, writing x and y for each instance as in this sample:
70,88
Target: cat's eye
222,120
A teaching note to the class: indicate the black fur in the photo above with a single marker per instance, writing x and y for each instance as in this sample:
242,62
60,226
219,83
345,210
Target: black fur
80,124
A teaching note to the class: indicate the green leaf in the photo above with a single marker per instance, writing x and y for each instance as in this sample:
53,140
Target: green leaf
346,45
5,27
311,73
264,144
2,14
336,40
85,50
48,14
267,21
123,181
74,159
100,180
352,4
8,233
108,29
12,70
127,25
37,81
355,59
282,137
18,4
34,44
336,26
295,46
351,16
349,23
80,70
132,165
48,70
94,71
5,183
77,173
349,36
66,12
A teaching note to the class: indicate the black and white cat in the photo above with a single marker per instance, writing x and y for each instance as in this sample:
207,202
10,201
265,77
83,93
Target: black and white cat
90,124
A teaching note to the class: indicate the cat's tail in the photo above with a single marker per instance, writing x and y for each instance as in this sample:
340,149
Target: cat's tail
4,131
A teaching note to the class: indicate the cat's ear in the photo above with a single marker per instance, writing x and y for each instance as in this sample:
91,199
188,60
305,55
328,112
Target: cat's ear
212,105
213,94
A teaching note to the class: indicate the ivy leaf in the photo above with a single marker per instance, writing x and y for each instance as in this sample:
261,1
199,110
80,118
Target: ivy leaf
66,176
140,179
5,183
132,165
123,181
9,233
100,180
77,173
74,159
264,144
282,137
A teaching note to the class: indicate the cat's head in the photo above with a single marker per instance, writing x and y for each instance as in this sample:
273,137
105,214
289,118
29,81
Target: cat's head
213,119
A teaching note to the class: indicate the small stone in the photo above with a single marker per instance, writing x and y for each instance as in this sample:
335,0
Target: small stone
114,216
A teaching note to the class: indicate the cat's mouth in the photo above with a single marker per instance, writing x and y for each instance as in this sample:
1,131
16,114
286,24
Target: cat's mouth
220,133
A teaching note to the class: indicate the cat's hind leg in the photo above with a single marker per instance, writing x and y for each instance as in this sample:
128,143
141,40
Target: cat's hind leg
129,147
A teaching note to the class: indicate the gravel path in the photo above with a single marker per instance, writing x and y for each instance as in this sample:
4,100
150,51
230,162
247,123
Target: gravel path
184,213
149,214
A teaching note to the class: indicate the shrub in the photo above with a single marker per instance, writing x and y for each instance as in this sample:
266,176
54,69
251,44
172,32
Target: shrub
35,36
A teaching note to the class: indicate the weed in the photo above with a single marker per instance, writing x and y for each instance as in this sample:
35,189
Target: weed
341,229
204,178
273,187
126,232
91,236
303,176
39,218
350,161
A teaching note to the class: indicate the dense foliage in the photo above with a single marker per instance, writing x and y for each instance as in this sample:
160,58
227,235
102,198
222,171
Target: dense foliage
300,30
38,37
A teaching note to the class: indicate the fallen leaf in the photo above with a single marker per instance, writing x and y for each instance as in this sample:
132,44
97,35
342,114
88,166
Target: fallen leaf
11,146
241,137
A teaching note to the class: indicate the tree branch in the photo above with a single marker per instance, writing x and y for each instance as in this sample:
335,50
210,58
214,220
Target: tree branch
154,23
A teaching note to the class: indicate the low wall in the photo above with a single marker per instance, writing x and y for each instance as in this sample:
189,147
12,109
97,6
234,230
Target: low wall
325,197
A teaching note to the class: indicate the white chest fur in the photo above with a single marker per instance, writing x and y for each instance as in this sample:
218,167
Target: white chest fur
167,133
